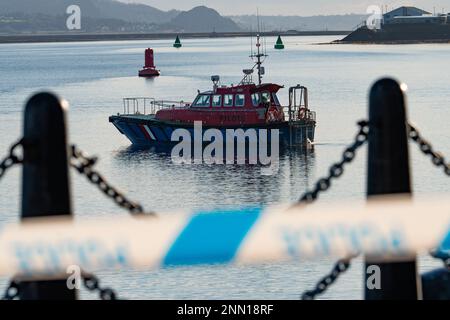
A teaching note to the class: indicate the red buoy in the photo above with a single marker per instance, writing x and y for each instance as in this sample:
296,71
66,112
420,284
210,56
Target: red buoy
149,69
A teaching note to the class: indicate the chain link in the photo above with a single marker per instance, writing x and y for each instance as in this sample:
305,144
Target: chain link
92,283
336,171
340,267
439,161
427,149
10,160
12,292
84,165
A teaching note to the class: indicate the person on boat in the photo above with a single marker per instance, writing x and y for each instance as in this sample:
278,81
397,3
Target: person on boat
265,100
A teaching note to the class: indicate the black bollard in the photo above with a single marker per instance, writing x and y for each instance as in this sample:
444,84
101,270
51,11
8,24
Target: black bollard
389,173
45,180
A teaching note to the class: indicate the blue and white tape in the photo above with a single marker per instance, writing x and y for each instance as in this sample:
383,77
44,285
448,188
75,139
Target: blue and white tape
384,230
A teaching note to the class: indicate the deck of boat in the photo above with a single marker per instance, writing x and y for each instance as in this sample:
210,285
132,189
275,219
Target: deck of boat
138,116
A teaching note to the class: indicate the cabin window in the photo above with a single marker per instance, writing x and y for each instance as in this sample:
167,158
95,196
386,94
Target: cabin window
275,99
202,101
256,99
265,97
217,101
239,100
228,100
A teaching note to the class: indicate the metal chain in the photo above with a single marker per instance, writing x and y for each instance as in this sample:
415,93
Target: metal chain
92,283
336,171
12,292
439,161
84,165
10,160
427,149
340,267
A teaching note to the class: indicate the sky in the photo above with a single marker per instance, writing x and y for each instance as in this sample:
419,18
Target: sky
293,7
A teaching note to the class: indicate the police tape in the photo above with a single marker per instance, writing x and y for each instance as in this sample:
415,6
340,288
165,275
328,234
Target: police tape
384,230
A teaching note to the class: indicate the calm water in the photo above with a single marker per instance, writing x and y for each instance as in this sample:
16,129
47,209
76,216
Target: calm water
94,77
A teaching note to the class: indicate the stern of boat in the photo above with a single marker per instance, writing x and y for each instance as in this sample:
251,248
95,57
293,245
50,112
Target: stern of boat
301,120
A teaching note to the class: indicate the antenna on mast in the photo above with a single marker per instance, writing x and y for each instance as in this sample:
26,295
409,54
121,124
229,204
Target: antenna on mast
259,55
265,41
257,20
251,40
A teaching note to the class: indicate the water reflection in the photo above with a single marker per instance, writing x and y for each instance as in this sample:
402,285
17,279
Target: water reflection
149,81
204,185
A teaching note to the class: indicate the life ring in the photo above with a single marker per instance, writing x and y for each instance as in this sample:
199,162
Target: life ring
302,113
272,114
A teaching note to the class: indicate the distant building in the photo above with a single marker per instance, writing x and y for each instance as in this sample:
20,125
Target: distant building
413,15
405,24
403,12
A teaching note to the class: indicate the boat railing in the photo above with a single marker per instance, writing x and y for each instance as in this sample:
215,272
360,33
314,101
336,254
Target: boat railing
145,105
293,114
298,109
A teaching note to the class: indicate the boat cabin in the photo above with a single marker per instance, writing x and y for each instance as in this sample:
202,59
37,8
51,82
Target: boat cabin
245,96
245,104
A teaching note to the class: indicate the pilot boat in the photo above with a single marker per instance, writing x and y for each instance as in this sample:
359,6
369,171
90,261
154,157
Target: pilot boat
248,105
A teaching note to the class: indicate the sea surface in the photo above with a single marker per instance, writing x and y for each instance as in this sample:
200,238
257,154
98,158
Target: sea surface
94,77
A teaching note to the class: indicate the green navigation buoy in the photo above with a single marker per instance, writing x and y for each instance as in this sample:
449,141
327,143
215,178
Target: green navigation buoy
177,43
279,45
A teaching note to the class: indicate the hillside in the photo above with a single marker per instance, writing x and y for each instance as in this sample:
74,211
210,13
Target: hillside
45,24
202,19
313,23
95,9
25,16
103,16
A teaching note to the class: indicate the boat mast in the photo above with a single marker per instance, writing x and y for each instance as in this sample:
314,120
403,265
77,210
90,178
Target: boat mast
259,54
259,61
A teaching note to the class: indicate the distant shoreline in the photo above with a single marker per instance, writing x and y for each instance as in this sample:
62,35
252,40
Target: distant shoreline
88,37
392,42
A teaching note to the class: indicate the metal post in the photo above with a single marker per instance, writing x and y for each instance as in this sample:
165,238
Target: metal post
388,173
45,180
